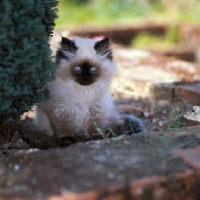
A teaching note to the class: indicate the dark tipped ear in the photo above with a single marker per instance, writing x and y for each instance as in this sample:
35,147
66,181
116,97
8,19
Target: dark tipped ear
68,44
102,48
67,50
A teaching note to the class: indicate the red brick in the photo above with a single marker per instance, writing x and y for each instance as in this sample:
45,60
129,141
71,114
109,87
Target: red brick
116,196
130,108
69,195
162,91
191,157
155,187
122,34
192,95
164,188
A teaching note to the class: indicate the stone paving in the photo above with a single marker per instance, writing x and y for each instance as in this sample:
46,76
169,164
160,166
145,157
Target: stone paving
154,165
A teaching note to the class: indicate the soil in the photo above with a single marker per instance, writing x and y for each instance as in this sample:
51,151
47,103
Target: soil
156,115
159,115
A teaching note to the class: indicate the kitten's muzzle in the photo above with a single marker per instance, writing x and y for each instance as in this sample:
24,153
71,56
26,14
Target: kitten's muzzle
86,78
86,81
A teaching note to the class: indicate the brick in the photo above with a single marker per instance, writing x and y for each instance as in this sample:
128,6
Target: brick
69,195
142,165
158,188
130,108
116,196
155,187
191,157
123,35
191,94
162,91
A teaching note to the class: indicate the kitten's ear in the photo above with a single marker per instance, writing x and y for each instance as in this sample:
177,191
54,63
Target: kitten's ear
67,50
68,44
102,48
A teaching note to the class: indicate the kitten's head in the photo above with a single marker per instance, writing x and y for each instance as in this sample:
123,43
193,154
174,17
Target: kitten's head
84,60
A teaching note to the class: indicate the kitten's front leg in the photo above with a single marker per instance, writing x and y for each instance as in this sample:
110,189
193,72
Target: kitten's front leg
125,124
64,131
116,127
95,129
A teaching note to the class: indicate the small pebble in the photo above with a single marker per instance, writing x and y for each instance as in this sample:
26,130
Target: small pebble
8,183
121,168
16,167
110,176
154,120
10,165
164,112
152,112
146,114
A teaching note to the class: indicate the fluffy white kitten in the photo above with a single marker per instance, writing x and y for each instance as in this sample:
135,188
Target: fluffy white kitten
77,102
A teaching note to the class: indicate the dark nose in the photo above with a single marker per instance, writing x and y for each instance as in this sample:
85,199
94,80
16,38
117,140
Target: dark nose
86,78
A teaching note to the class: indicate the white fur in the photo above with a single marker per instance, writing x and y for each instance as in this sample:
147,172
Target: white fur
68,53
70,98
45,126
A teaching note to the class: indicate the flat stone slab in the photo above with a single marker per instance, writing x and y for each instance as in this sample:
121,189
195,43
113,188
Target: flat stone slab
191,156
193,118
141,166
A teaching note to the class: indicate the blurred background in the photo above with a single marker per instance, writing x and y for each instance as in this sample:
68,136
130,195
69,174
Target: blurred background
156,46
126,12
164,26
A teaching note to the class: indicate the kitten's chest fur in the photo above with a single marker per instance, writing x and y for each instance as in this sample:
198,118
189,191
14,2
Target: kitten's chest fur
75,104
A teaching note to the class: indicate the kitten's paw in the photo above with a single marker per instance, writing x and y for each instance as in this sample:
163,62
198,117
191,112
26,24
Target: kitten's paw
133,125
66,140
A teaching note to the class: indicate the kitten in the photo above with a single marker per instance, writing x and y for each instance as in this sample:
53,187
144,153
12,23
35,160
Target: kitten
77,102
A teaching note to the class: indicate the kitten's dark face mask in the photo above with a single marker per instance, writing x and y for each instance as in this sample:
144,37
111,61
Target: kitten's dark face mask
85,73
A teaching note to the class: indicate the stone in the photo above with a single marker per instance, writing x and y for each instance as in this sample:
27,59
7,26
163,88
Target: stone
163,91
140,167
191,93
193,118
190,156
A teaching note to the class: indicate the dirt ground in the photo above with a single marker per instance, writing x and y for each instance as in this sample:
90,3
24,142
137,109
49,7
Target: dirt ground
156,115
159,115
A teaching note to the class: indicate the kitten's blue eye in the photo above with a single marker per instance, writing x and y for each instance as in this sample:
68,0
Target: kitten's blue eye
93,69
77,68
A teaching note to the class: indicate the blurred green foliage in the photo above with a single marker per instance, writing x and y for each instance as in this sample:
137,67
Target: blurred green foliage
24,54
124,12
146,40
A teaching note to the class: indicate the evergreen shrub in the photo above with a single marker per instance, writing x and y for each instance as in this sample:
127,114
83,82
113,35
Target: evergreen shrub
25,61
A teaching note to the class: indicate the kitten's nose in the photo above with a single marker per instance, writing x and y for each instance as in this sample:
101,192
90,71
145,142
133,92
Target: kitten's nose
86,78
